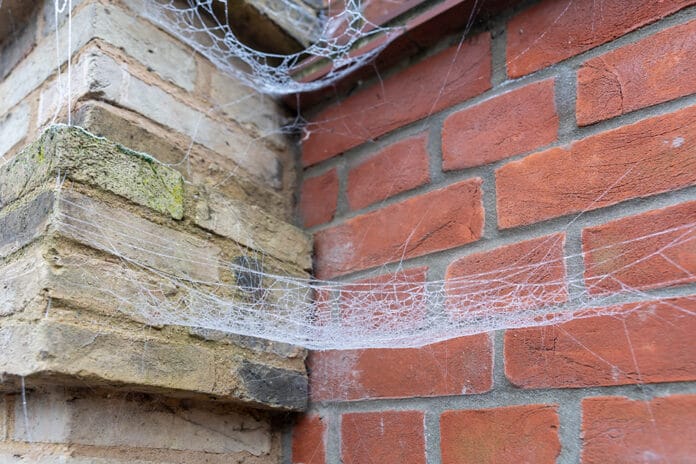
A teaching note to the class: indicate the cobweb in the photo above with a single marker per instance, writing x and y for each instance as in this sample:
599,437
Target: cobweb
399,310
199,26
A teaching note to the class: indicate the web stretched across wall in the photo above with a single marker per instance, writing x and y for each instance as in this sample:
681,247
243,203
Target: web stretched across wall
401,310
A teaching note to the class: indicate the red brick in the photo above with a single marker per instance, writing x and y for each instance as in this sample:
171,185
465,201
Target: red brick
645,342
400,167
526,433
649,250
518,277
385,301
513,123
452,367
319,198
654,70
621,430
645,158
309,440
553,30
435,83
387,437
434,221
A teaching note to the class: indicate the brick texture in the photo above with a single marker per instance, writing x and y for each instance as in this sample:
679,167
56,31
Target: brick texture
388,437
552,30
438,82
513,123
400,167
634,343
319,198
400,296
650,250
438,220
510,434
309,440
645,158
454,367
522,276
621,430
653,70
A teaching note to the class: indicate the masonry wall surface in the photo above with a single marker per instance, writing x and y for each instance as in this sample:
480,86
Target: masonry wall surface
567,126
88,396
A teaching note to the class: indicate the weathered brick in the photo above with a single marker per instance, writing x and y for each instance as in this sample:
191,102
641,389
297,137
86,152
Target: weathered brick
619,429
434,221
98,74
653,70
62,418
438,82
645,158
13,127
454,367
383,302
649,250
517,277
507,125
645,342
400,167
526,433
552,31
309,440
384,437
318,199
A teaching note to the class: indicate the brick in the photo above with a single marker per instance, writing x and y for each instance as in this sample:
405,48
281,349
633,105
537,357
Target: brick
319,198
438,220
618,429
636,343
388,437
645,158
62,418
309,440
526,433
435,83
111,229
13,128
400,167
517,277
552,31
454,367
253,228
653,70
97,74
386,301
515,122
645,251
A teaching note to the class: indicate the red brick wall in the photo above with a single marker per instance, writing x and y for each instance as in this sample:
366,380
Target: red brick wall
568,127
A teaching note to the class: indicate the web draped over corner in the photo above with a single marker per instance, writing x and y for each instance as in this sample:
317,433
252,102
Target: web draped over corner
398,310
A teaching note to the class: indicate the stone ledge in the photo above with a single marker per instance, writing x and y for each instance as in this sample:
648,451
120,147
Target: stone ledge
95,240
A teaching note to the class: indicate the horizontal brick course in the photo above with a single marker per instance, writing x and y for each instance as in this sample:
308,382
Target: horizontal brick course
653,70
399,167
521,276
513,123
526,433
552,31
434,221
438,82
319,198
649,250
454,367
631,344
645,158
383,437
618,429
